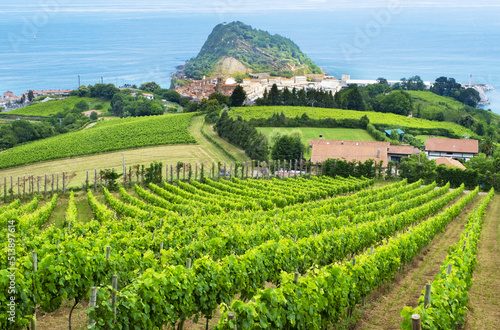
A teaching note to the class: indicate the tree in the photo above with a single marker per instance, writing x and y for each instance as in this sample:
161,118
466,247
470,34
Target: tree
418,167
487,146
445,86
287,146
93,115
274,95
398,102
469,96
238,96
415,83
83,91
172,96
31,96
382,81
364,121
480,129
149,86
351,99
221,98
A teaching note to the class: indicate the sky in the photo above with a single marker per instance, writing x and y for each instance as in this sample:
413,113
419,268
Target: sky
20,6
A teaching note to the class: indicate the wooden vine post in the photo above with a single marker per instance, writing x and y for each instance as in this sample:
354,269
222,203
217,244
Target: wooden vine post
415,322
52,182
114,284
427,295
35,269
231,316
92,302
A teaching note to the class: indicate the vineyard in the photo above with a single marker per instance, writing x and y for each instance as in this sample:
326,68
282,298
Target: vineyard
376,118
106,136
297,253
50,108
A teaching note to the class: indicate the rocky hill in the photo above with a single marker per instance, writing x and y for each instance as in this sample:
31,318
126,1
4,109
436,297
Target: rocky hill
238,48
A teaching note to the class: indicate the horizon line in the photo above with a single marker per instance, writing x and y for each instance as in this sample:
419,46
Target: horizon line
5,9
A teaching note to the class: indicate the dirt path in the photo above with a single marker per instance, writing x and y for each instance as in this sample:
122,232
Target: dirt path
484,300
212,151
383,307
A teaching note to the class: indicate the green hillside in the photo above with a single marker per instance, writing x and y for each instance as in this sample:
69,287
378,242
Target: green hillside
107,135
49,108
376,118
248,50
434,107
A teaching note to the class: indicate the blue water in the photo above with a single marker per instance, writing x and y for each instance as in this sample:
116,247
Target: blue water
146,46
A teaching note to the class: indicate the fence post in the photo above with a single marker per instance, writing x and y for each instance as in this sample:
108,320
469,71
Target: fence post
114,284
427,295
196,171
415,322
35,269
52,182
64,182
92,302
57,175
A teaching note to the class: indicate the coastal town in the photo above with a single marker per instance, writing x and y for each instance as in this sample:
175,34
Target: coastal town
254,87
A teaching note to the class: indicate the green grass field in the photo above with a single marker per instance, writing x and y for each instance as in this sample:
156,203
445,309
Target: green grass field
309,133
375,117
52,107
108,135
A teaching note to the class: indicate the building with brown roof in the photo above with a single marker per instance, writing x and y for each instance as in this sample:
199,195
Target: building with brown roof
396,153
450,162
349,150
451,148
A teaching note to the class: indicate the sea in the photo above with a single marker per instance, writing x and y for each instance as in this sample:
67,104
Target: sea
57,50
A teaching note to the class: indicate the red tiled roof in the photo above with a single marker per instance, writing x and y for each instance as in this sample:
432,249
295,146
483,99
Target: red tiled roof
403,150
450,162
350,152
452,145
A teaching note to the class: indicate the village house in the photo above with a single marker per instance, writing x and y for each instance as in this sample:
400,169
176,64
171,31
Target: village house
349,150
359,151
61,92
450,162
451,148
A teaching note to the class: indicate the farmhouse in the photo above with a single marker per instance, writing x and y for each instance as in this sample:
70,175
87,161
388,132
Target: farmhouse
349,150
396,153
451,148
359,151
